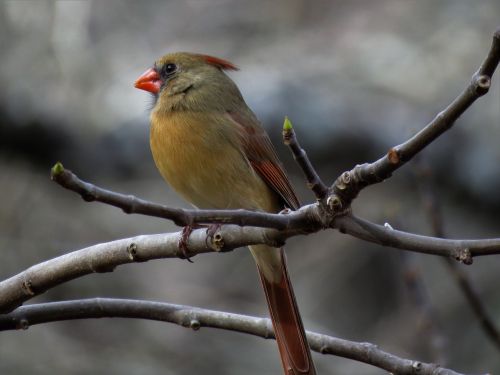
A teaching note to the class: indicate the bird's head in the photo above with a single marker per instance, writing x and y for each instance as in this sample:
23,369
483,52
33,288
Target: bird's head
185,80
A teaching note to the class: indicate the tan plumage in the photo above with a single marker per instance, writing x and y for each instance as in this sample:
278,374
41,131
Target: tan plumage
209,146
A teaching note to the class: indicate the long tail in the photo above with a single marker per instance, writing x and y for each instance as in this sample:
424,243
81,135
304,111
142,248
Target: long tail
290,335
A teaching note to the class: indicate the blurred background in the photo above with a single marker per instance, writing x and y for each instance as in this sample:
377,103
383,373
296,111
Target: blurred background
354,77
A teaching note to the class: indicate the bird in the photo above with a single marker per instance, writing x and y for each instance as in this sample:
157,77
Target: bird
212,150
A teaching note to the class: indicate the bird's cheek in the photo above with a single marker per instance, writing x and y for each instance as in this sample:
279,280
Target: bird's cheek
180,87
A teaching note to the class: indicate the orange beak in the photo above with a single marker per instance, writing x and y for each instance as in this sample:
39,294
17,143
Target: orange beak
149,81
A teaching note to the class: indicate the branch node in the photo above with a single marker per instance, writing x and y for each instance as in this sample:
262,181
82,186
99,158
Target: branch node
132,251
393,156
346,178
194,324
464,256
28,288
388,226
334,203
23,324
481,84
416,365
217,241
370,349
484,82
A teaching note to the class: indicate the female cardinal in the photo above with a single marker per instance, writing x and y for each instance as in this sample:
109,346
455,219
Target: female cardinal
210,147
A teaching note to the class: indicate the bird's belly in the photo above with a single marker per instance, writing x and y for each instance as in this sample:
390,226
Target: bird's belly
206,169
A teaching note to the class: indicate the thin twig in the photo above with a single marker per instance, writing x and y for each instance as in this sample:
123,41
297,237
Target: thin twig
433,210
314,182
429,324
460,250
195,318
182,217
475,302
350,183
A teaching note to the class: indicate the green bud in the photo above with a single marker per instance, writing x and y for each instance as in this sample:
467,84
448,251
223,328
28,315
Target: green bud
57,169
287,125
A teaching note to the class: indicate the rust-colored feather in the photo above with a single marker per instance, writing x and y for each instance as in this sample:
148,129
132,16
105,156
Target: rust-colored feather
288,329
219,63
260,152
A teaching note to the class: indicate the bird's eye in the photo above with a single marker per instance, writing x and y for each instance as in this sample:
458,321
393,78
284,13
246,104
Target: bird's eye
169,68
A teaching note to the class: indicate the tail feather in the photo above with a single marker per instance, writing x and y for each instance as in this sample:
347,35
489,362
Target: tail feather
289,330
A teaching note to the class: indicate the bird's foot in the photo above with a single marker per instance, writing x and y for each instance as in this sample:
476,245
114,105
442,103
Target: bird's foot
182,244
212,229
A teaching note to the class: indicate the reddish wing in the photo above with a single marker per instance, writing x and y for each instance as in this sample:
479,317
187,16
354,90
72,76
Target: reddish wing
262,156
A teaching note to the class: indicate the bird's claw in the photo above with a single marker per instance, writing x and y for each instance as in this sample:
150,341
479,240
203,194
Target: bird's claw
182,244
212,229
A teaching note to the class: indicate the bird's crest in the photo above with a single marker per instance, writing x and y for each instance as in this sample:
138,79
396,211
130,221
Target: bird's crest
219,63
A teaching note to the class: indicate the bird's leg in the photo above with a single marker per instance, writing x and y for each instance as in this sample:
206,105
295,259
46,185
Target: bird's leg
182,244
186,232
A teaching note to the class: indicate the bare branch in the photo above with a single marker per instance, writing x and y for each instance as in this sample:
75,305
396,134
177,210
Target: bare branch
461,250
433,210
182,217
429,324
308,219
314,182
475,302
195,318
106,256
350,183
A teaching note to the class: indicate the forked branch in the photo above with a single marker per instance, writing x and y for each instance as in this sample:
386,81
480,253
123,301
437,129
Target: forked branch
350,183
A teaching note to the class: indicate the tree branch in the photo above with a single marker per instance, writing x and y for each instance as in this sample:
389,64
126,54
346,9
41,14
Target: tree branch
314,182
350,183
105,257
182,217
432,208
428,323
195,318
308,219
461,250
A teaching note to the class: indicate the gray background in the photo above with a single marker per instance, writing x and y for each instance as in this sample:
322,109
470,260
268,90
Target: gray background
355,78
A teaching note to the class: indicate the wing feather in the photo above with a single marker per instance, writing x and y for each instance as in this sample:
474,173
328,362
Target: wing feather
261,154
